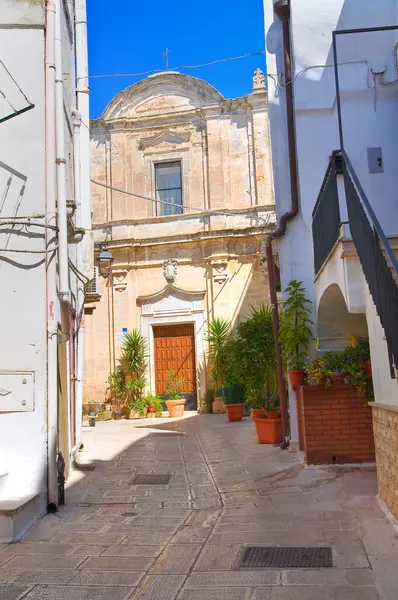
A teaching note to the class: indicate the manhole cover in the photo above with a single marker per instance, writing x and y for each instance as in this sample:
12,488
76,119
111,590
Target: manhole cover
151,479
286,558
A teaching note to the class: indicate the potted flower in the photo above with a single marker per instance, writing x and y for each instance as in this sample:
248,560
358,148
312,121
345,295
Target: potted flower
176,401
234,405
154,404
295,331
358,368
269,430
218,337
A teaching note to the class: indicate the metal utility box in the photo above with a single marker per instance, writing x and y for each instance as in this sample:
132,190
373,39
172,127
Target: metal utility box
375,160
17,391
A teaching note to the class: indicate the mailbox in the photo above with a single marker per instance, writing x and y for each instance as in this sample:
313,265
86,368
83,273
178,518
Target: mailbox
17,391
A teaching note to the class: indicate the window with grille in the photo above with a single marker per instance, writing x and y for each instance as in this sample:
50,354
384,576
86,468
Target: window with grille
168,183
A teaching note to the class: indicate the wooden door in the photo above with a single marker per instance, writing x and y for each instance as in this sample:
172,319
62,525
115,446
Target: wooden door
175,349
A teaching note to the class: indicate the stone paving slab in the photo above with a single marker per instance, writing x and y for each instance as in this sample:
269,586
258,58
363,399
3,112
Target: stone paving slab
176,559
231,593
316,593
107,578
56,576
13,592
159,587
118,563
233,578
41,592
45,562
130,550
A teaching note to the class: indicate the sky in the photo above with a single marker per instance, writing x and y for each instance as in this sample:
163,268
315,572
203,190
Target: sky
130,36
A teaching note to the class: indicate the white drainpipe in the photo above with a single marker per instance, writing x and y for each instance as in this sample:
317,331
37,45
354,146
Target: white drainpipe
51,263
63,292
80,285
83,105
83,196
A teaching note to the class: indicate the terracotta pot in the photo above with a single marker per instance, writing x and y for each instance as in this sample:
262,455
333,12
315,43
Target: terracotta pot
151,409
256,412
338,375
118,415
176,407
297,377
273,414
269,431
234,412
218,405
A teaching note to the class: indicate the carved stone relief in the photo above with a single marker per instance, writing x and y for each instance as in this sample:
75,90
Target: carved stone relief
170,270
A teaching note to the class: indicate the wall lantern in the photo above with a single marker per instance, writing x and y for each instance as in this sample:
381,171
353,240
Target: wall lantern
105,261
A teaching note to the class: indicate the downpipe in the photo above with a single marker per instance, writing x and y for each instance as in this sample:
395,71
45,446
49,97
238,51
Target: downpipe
77,141
51,263
282,11
63,266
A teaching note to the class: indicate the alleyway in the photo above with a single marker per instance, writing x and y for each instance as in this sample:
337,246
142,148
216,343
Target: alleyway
116,540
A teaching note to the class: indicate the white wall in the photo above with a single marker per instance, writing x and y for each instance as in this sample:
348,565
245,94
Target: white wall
22,276
370,116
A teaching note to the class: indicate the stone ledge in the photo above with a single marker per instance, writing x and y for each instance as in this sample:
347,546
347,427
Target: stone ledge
381,406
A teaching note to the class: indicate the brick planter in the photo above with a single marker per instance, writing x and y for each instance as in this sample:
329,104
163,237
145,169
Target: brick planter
334,427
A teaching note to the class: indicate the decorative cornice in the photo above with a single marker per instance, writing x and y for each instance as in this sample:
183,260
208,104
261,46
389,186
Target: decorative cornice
165,137
170,289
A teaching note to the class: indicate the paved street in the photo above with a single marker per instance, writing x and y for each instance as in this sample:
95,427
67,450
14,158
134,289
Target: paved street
116,540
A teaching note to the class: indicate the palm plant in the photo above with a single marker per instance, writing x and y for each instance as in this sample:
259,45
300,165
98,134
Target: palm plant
134,356
218,337
134,363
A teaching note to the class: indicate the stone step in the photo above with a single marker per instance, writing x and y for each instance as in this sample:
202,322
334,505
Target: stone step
17,515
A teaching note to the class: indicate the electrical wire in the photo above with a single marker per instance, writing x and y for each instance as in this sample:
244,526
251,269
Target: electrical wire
164,202
29,224
153,71
78,273
27,251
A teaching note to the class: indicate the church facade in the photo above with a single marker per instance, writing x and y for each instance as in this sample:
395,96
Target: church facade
182,198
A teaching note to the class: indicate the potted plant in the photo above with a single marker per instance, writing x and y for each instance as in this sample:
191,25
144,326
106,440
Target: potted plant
134,364
269,430
295,331
333,366
358,368
137,409
218,335
176,401
154,404
272,410
234,405
253,360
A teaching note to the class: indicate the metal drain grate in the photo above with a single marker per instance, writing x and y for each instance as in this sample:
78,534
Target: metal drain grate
151,479
286,558
129,514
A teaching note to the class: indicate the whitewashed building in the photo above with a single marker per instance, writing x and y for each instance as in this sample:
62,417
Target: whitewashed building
45,220
346,200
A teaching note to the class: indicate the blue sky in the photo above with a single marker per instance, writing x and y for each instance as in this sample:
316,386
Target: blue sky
131,36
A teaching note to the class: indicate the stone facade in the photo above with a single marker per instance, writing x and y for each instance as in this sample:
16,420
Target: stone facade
385,426
185,267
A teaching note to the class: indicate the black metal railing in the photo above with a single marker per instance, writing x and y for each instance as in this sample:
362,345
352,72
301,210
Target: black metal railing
375,254
326,219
